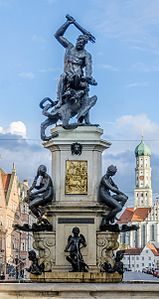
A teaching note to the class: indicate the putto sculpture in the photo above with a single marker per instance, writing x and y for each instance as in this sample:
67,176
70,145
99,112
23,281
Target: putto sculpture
73,88
75,242
118,264
115,202
35,268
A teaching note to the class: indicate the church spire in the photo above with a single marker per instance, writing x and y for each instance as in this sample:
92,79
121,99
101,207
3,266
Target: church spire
13,168
143,190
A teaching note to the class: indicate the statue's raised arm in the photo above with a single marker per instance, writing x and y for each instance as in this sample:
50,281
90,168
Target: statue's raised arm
60,32
91,38
73,88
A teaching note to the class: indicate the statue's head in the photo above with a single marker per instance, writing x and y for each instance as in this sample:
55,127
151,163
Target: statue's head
82,40
76,148
111,170
42,170
76,231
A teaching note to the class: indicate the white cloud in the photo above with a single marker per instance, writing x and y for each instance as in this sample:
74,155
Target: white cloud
141,67
126,132
137,84
109,67
136,124
132,21
27,75
15,127
26,161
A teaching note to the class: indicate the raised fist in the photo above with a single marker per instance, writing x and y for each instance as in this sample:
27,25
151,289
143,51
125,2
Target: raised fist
70,19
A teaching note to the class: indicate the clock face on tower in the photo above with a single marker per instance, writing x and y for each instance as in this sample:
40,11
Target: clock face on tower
141,177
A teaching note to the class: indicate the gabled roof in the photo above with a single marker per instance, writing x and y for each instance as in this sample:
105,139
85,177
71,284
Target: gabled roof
140,214
137,251
5,181
133,251
153,248
134,215
127,215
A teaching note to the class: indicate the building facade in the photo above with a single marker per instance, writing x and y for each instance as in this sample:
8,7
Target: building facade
137,259
145,214
14,244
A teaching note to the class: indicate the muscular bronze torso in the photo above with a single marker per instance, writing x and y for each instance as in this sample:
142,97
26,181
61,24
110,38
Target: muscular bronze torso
74,61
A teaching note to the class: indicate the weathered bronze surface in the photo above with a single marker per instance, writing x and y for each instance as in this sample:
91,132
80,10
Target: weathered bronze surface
76,181
74,244
115,202
73,89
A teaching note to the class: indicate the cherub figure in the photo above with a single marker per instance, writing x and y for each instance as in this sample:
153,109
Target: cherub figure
74,245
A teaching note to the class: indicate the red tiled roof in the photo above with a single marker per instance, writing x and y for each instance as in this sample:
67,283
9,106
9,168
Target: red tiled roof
127,215
133,251
134,215
153,248
140,214
5,181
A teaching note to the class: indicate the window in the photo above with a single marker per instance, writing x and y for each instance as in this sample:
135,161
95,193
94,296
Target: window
142,258
133,258
149,258
147,251
152,232
137,258
142,264
137,265
143,236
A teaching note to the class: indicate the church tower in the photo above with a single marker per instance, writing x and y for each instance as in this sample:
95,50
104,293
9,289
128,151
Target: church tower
143,190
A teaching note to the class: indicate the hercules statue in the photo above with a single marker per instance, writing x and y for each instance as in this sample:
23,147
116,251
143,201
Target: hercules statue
73,88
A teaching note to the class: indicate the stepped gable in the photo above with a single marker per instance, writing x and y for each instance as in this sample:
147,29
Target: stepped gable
5,180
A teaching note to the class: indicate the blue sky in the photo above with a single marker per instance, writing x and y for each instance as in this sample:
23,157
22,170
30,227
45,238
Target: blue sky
125,65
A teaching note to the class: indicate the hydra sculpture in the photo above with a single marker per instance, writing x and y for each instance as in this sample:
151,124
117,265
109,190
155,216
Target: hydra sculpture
73,88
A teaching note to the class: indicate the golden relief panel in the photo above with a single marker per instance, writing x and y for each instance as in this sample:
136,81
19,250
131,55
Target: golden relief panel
76,181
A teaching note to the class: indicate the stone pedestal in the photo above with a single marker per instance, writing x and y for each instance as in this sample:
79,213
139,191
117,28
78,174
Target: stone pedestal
90,162
76,177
